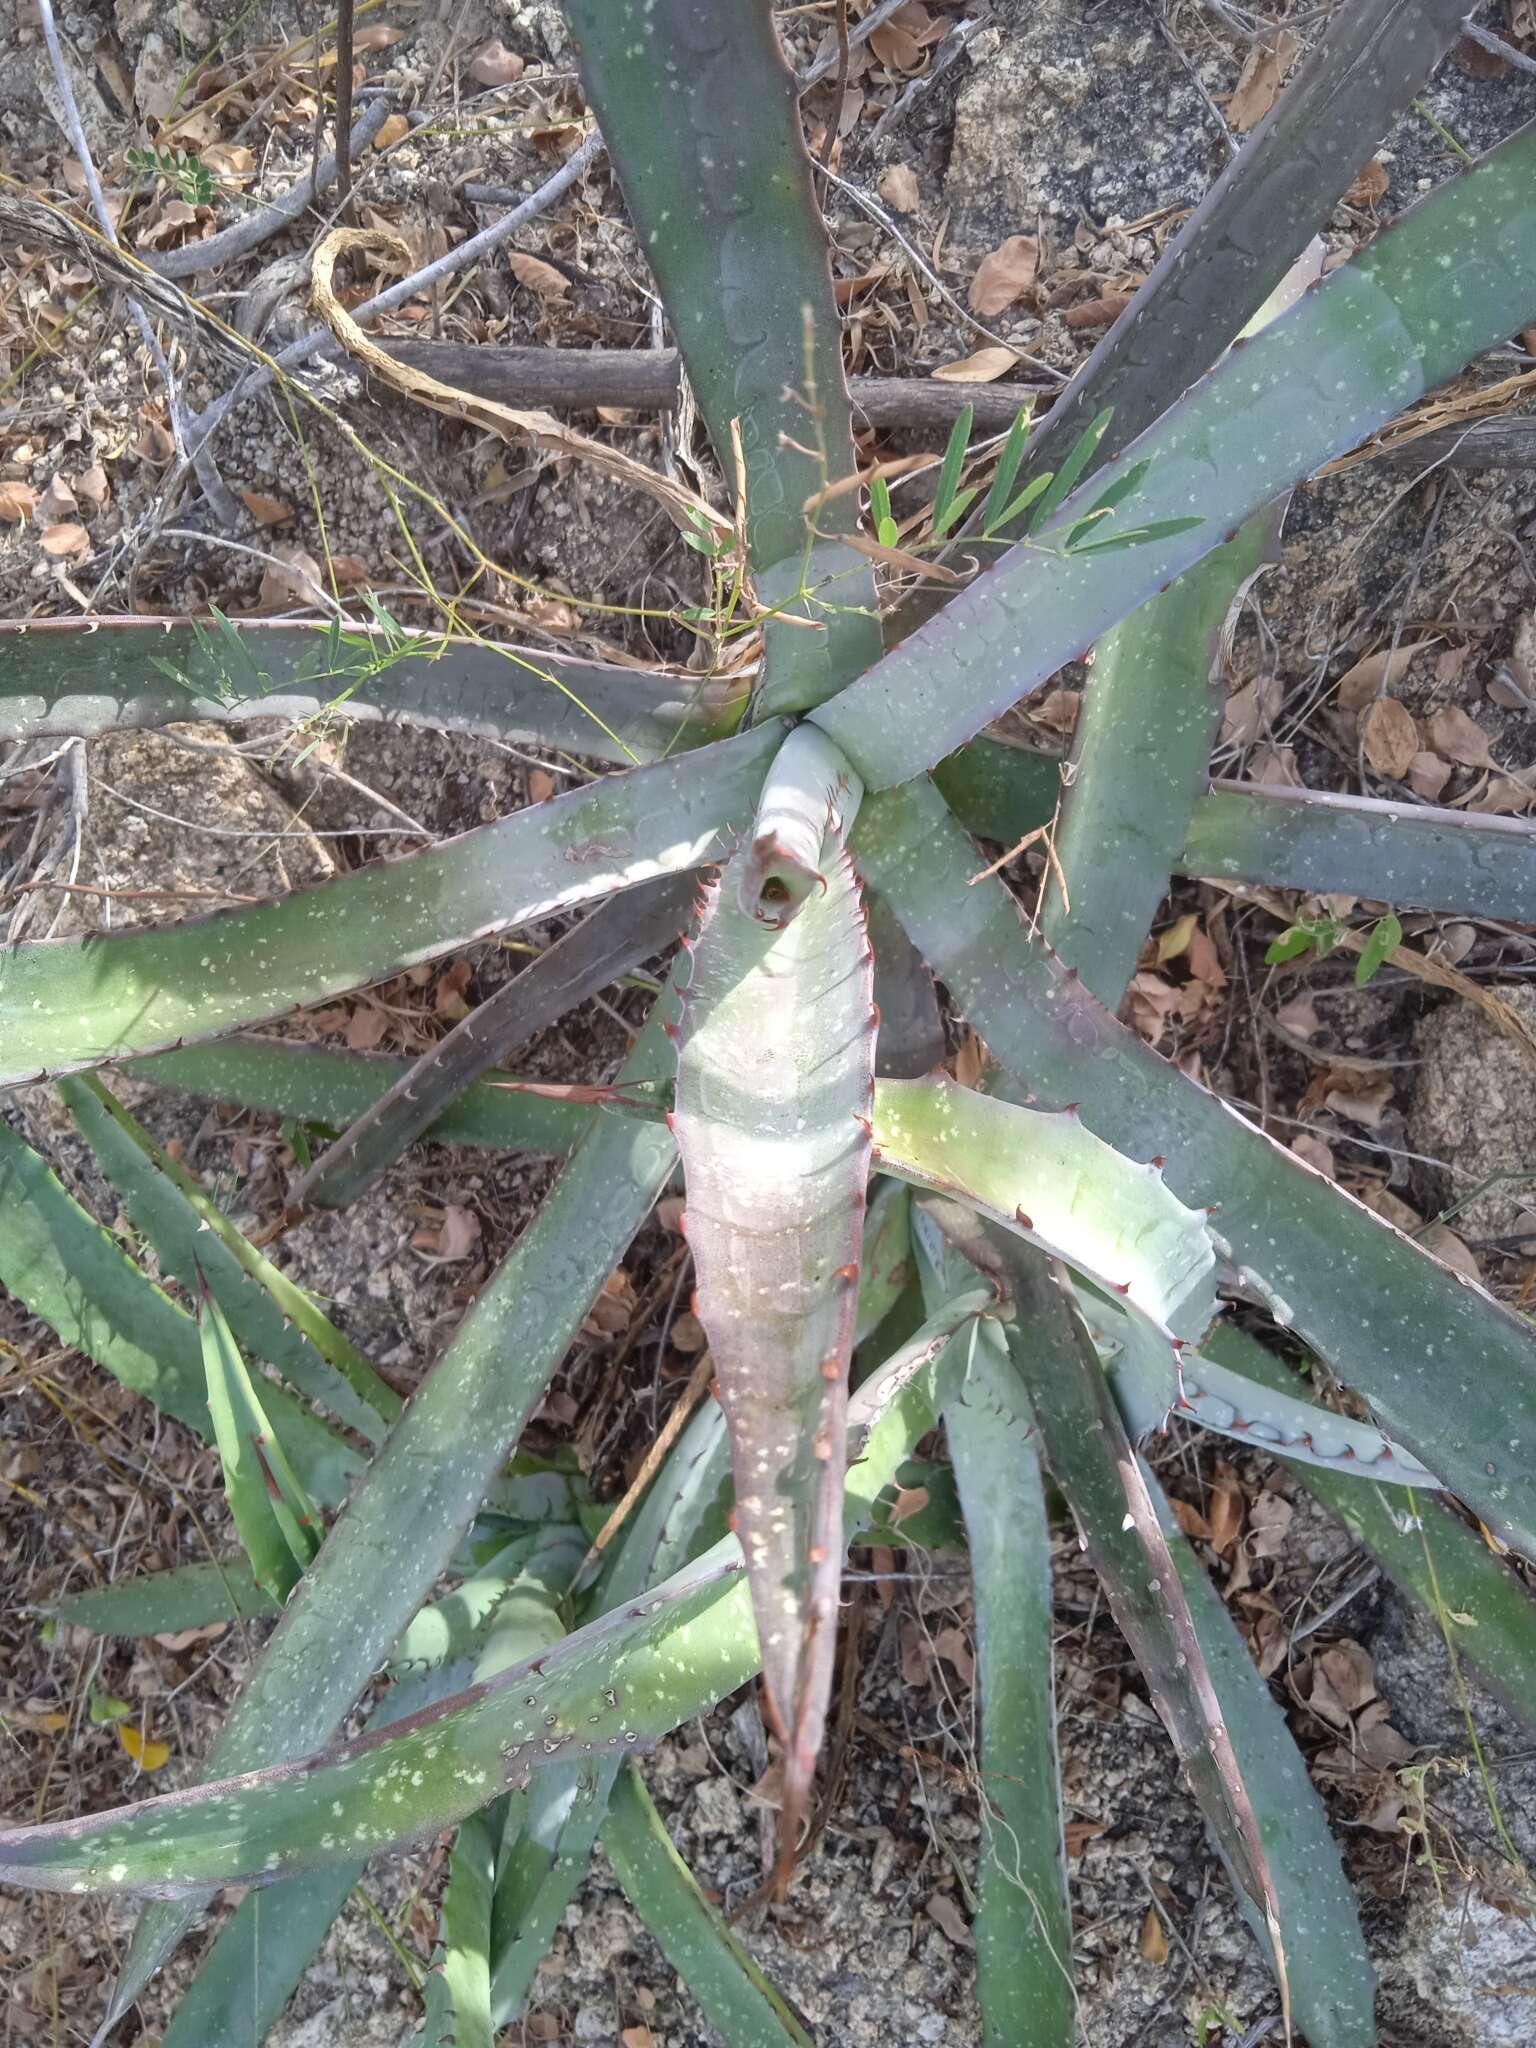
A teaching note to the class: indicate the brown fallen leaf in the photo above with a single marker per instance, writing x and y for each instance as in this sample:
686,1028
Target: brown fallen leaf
1428,775
638,2037
293,578
1390,737
910,1500
1458,737
1362,1100
495,64
1371,184
173,218
1005,275
1224,1513
1274,767
18,501
898,188
264,510
1259,82
57,503
66,540
367,1027
394,130
954,1647
541,785
93,485
1250,711
1316,1153
1152,1942
688,1333
455,1237
949,1919
1375,673
537,275
1450,1250
1079,1833
984,367
1506,796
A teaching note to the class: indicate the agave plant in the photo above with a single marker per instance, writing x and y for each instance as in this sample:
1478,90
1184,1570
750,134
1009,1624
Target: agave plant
1072,1227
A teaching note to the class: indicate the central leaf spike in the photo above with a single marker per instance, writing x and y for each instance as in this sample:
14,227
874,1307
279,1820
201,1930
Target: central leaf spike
775,1090
810,791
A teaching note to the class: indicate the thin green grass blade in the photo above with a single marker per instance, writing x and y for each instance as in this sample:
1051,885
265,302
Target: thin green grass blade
87,676
1257,1800
699,113
613,939
1448,1372
696,1939
1452,278
1064,480
71,1003
1023,1926
61,1264
1010,456
278,1527
621,1682
190,1235
332,1089
943,514
164,1603
775,1078
421,1491
1424,1547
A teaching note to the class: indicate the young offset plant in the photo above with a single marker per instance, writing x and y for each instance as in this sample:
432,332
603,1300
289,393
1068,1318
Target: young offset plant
1060,1244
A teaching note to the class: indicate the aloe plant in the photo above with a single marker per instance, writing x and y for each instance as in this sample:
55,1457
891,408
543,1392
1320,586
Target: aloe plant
1071,1228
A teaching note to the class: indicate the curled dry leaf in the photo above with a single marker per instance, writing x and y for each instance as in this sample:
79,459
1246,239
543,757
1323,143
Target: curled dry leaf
92,484
1427,776
1316,1153
394,130
1446,1246
898,188
1005,276
1250,711
1371,184
984,367
57,503
1259,82
537,275
1458,737
949,1919
1390,738
1506,796
293,578
1099,312
66,540
18,501
1375,673
264,510
495,64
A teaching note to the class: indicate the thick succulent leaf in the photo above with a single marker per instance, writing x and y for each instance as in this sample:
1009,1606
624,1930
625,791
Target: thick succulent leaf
911,1036
775,1074
1092,1461
699,113
1140,758
277,1524
1150,1386
162,1603
459,1988
1425,1548
193,1239
253,1968
1448,1372
809,785
314,1086
447,1630
694,1936
622,1681
87,676
1045,1174
1333,1983
885,1265
1411,855
400,1528
1274,195
1023,1926
565,1805
1454,277
613,939
69,1003
61,1264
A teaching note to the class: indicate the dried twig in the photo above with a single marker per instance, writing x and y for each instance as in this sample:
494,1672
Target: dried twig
344,49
